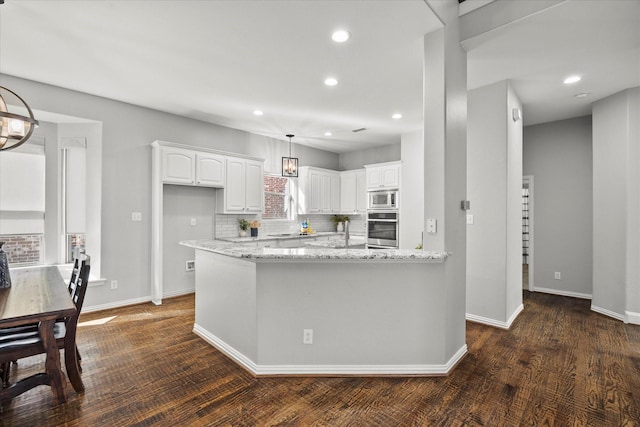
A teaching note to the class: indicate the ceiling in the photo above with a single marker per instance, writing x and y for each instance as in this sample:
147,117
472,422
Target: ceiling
218,61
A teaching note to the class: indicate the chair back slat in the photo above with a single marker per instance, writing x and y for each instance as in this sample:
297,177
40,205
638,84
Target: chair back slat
78,287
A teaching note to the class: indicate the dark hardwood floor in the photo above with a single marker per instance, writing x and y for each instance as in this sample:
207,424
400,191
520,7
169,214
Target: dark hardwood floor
559,365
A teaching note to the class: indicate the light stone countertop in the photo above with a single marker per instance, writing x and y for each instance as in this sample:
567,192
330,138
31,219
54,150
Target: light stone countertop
290,254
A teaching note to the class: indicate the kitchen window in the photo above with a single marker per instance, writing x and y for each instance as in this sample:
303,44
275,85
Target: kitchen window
277,200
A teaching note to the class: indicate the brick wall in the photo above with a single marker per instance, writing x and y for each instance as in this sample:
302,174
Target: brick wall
274,203
23,249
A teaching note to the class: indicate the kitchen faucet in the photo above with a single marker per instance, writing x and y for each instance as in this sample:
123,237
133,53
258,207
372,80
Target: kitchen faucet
346,234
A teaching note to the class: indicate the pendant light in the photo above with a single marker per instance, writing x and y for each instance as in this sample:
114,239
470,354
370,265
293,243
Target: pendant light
15,129
290,164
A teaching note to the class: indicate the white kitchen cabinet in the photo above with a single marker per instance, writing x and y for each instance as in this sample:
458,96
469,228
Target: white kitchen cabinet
178,166
191,167
318,190
353,191
383,176
210,169
244,186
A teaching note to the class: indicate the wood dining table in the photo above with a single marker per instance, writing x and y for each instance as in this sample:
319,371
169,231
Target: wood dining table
40,296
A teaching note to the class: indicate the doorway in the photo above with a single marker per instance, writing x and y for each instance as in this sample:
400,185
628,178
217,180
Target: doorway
527,232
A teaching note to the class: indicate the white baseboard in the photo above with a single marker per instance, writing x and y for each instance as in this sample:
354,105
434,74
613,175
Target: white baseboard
135,301
178,293
562,293
115,304
328,370
631,317
606,312
494,322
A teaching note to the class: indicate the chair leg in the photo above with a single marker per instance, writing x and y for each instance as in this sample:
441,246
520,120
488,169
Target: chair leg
4,370
79,359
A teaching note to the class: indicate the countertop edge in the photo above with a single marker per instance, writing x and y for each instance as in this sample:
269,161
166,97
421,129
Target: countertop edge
240,251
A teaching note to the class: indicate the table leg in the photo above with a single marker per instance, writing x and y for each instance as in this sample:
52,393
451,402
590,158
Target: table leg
52,364
71,357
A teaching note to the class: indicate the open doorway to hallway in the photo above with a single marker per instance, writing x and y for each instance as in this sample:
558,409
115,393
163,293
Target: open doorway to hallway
527,232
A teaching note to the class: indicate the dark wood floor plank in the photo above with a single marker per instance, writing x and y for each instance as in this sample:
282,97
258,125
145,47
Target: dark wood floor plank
559,365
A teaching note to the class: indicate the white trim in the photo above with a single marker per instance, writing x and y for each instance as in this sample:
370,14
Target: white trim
117,304
562,293
632,317
328,370
493,322
179,292
608,313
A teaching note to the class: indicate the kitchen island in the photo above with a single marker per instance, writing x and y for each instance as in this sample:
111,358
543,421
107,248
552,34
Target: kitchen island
316,311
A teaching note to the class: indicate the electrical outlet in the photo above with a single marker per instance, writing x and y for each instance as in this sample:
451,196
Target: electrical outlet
307,336
469,219
190,265
114,284
557,275
193,221
136,216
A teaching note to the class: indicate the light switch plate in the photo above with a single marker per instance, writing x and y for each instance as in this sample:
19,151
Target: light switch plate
470,219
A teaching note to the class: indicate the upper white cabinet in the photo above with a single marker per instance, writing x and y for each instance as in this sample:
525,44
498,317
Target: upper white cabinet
353,191
180,166
244,187
318,190
210,169
383,176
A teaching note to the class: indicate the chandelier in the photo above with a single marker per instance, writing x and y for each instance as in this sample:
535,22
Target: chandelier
15,129
290,164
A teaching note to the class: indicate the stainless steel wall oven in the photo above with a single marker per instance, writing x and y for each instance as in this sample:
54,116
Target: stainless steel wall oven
382,229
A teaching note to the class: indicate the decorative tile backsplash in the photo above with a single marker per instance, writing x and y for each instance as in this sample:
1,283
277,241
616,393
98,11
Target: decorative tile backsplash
227,225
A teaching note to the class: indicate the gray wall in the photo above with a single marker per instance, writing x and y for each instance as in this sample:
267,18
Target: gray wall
357,159
559,156
412,183
181,204
494,183
616,205
128,131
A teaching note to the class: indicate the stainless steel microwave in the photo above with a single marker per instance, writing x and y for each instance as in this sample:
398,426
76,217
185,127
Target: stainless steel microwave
387,199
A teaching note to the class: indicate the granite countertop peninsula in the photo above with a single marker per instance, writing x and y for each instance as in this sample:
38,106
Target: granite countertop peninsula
236,250
354,240
280,236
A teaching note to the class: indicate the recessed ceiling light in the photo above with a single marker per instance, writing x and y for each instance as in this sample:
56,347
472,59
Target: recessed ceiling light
331,81
581,95
340,36
258,113
572,79
328,134
396,116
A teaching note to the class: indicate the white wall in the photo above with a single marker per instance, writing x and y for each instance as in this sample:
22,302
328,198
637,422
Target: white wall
494,188
411,205
616,206
559,156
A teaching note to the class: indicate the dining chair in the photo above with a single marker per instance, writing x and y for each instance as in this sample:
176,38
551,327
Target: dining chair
19,342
